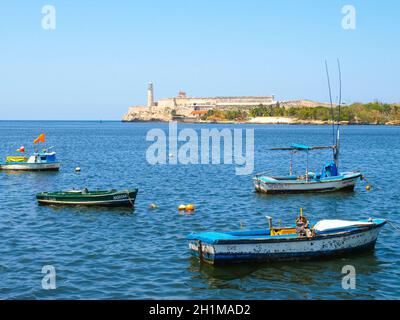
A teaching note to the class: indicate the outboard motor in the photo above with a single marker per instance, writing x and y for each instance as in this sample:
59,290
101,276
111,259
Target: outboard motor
330,170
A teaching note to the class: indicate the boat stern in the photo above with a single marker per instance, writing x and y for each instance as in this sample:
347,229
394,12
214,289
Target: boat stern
264,184
202,246
203,251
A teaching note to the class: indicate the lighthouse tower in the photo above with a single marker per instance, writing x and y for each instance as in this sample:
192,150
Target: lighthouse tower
150,95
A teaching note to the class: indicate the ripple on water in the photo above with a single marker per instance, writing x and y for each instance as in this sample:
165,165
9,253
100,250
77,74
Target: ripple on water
116,253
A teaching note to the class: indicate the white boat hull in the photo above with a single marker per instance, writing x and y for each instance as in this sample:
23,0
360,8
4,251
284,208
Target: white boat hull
31,166
305,186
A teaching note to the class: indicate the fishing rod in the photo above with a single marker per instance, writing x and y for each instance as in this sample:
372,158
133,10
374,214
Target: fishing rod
340,90
336,152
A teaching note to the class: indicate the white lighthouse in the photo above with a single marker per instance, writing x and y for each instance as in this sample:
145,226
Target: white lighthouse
150,95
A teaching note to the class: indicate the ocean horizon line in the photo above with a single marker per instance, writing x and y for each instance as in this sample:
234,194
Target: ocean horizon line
50,120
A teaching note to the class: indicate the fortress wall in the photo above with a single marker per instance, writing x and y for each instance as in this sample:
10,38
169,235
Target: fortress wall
223,101
169,102
138,109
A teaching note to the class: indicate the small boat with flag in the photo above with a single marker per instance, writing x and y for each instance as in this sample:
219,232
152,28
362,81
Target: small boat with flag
44,160
85,197
38,161
325,238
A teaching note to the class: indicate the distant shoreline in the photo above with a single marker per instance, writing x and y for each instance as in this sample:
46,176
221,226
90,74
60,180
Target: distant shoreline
60,120
356,114
267,121
292,123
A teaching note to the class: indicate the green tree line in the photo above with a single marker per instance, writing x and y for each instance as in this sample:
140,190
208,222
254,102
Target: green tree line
369,113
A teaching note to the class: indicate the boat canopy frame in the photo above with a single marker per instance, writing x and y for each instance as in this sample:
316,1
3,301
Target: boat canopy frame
294,148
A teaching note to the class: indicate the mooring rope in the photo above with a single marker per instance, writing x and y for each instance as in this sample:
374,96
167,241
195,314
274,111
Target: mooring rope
129,198
370,185
363,177
397,228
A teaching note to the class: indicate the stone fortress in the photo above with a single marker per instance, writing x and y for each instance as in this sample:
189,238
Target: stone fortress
191,109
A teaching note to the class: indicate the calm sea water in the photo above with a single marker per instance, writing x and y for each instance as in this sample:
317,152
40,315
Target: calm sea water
119,254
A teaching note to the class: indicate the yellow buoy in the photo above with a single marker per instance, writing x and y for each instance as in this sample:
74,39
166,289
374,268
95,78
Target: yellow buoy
182,207
368,188
153,206
190,207
77,169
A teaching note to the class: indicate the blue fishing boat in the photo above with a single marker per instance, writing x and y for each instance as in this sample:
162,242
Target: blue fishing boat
328,179
325,238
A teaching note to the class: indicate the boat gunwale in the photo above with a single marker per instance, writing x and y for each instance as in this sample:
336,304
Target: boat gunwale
218,260
28,163
30,169
282,239
128,201
313,181
87,195
301,191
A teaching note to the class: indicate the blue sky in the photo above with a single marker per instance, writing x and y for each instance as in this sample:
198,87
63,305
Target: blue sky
102,54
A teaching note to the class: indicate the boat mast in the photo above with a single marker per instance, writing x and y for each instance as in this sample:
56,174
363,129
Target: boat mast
336,151
291,162
330,99
307,169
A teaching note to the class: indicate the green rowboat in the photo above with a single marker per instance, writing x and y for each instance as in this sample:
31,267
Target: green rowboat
89,198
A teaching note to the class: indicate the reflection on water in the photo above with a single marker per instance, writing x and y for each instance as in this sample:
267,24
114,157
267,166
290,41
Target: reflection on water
316,275
33,174
276,270
323,195
90,209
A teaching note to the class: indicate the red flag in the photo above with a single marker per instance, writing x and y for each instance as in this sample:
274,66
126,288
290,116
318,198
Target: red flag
41,138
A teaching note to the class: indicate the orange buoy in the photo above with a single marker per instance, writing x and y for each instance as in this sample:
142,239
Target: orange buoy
190,207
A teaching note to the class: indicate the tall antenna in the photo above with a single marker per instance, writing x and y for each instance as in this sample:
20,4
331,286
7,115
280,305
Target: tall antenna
330,98
336,153
340,90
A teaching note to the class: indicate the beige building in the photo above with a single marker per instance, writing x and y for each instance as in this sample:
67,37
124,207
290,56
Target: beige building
182,105
201,103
